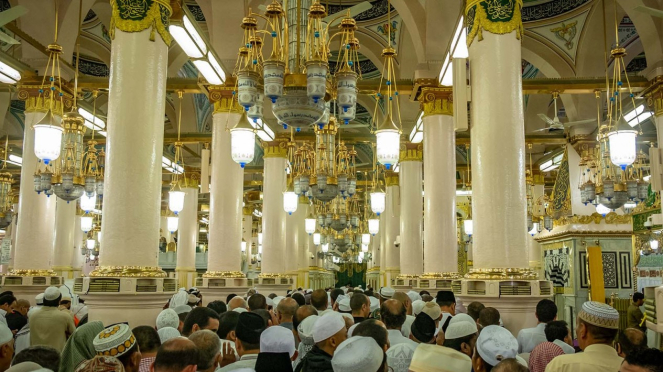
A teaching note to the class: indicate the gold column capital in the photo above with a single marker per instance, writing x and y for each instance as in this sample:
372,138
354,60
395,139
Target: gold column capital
655,95
36,101
276,149
247,211
411,152
139,15
498,17
436,101
223,99
391,178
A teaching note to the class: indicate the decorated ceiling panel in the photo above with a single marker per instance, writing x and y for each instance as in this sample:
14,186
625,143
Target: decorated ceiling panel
564,35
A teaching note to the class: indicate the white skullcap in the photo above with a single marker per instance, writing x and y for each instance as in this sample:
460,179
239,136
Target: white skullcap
168,318
387,292
327,325
240,310
277,340
179,298
432,310
309,291
167,333
341,298
352,329
461,318
399,356
414,296
348,316
6,334
430,357
496,344
276,300
375,303
39,299
522,361
182,309
269,301
52,293
344,305
460,329
417,306
192,299
305,329
357,354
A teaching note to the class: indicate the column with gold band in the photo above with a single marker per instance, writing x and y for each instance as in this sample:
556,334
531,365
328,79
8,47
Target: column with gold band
440,245
391,216
187,232
411,220
226,195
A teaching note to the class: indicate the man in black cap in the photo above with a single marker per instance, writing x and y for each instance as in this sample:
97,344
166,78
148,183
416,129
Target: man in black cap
247,333
422,330
447,303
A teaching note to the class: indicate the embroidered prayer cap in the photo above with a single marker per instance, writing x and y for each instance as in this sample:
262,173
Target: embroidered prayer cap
327,325
460,329
114,341
305,329
277,340
168,318
462,318
167,333
599,314
496,344
387,292
357,354
182,309
433,358
399,356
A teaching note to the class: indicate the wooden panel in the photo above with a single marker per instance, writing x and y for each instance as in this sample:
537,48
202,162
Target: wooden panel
595,264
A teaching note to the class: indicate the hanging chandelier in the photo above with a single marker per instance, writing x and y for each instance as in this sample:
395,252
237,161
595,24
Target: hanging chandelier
93,161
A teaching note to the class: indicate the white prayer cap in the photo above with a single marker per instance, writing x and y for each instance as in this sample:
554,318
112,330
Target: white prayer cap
269,301
414,296
168,318
417,306
115,340
182,309
344,305
341,298
375,303
192,299
432,358
309,291
357,354
461,318
39,299
179,298
6,334
387,292
399,356
432,310
327,325
276,300
305,329
348,316
240,310
496,344
52,293
522,361
599,314
352,329
167,333
277,340
460,329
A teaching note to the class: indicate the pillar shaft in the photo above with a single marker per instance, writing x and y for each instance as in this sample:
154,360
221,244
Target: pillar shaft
294,223
247,236
163,226
65,224
36,213
440,242
187,237
498,147
132,189
392,225
411,220
226,188
273,215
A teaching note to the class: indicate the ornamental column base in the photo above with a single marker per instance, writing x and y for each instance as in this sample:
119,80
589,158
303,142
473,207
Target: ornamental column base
67,272
27,284
186,276
515,292
274,283
405,282
113,292
217,285
438,281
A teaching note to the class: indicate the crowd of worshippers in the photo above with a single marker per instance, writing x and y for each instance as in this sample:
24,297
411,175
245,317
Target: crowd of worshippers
338,329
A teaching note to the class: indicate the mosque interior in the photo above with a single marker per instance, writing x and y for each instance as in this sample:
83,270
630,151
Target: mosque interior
507,150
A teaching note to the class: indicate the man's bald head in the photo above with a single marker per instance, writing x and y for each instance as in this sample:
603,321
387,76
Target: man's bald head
630,341
509,365
319,299
393,314
237,302
287,307
177,355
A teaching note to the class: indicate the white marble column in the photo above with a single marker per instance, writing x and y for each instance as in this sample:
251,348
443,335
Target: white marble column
63,244
294,223
273,215
392,226
382,241
36,213
78,259
303,240
411,218
498,152
226,188
440,243
187,237
247,236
